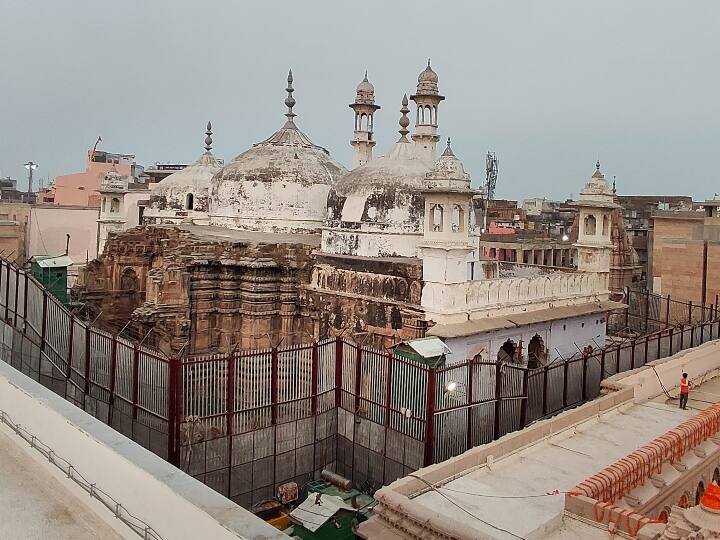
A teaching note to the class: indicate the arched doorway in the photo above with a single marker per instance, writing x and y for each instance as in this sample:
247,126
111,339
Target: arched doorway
537,354
189,201
507,352
699,492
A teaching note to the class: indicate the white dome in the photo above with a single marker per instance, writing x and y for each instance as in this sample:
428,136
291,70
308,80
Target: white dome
278,185
377,209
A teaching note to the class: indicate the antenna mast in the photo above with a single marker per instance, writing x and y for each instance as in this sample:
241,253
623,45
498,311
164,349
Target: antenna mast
491,173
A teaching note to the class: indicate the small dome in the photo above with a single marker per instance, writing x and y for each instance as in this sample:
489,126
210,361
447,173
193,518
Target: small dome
365,93
365,87
427,81
448,172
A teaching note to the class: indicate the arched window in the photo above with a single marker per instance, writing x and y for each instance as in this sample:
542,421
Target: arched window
189,201
115,205
458,216
590,225
606,225
129,281
507,352
436,217
428,115
103,204
699,492
537,354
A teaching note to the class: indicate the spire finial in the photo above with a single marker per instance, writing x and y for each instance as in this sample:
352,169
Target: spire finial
597,165
448,151
290,100
428,62
404,120
208,137
614,190
365,75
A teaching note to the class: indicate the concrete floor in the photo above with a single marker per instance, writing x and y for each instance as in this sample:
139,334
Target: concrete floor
36,505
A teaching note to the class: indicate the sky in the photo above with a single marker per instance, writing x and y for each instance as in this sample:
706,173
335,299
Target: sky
549,86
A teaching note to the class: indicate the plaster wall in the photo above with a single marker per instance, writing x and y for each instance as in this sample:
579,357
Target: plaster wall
50,224
81,189
173,503
365,243
562,339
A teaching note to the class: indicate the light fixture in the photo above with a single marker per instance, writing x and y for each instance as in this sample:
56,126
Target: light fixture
451,386
565,238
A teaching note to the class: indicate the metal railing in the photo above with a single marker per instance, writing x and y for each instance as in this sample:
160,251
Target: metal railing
137,525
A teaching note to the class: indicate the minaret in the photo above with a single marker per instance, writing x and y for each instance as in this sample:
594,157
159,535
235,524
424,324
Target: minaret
595,208
112,218
427,98
208,138
364,107
446,236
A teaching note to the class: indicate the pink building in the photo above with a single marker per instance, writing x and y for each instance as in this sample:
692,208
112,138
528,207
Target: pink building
81,189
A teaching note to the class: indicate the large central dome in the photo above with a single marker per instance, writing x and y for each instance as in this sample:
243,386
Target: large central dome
279,185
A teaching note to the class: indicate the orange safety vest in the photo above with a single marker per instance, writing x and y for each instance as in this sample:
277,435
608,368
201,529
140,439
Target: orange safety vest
684,386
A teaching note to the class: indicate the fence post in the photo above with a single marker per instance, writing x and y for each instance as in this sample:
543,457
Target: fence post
667,311
647,309
7,293
71,331
672,332
647,344
692,336
627,308
526,399
338,371
43,324
602,366
274,386
566,367
468,433
113,369
702,333
25,302
314,379
659,352
87,364
173,411
135,382
388,390
358,376
17,293
230,413
498,400
545,390
430,417
690,308
632,354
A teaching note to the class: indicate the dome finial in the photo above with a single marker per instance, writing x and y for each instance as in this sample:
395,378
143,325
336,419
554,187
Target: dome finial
208,137
448,151
597,165
614,190
365,79
404,120
290,100
428,62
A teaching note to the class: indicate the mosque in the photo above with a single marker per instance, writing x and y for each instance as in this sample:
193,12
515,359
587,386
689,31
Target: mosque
283,245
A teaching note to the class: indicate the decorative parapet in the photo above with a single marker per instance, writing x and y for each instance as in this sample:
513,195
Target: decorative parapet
477,299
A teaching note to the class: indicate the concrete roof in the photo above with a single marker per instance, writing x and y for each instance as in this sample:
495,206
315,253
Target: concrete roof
483,492
35,504
232,235
477,326
559,463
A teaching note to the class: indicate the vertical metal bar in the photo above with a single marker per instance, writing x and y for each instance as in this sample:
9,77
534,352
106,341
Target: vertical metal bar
526,400
702,333
682,337
659,355
87,363
71,331
692,335
566,367
7,293
672,331
498,400
469,431
690,310
358,376
647,309
584,378
174,367
617,359
545,390
113,369
632,354
388,404
25,303
430,417
338,371
44,320
647,344
230,414
135,381
602,365
314,379
274,386
17,293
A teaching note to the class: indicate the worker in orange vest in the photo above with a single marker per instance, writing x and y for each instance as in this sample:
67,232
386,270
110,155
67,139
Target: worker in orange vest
684,390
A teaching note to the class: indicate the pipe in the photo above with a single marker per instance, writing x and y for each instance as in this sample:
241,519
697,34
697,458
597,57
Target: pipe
336,480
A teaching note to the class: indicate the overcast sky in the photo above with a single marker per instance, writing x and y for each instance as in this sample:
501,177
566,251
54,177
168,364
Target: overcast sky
549,86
